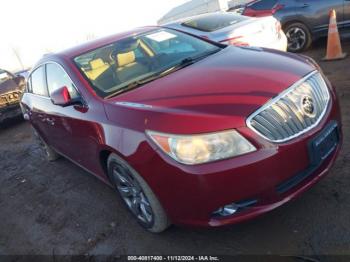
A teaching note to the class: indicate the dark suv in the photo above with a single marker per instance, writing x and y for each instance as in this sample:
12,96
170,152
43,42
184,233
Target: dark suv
11,90
303,21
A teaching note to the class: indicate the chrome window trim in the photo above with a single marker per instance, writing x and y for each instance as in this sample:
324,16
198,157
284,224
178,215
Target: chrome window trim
275,99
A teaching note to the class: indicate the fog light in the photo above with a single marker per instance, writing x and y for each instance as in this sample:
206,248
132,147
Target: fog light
231,209
227,210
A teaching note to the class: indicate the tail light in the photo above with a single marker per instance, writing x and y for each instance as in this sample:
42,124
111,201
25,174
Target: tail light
237,41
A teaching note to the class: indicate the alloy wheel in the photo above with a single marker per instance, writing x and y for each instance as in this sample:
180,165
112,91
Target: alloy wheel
133,195
296,39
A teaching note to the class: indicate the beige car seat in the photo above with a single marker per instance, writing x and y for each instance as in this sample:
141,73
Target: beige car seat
127,67
97,68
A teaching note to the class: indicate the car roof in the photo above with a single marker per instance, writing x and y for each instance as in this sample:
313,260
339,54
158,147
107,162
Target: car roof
91,45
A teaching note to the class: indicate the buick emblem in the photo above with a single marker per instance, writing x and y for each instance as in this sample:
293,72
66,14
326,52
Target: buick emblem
308,106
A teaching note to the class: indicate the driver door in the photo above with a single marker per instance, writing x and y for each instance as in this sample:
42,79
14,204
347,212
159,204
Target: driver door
74,133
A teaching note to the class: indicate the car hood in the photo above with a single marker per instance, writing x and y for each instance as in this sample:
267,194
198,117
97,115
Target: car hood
8,86
216,93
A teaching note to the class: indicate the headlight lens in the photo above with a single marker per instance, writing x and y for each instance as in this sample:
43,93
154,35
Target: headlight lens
197,149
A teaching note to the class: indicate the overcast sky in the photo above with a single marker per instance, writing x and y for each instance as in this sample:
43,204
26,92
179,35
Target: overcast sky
35,27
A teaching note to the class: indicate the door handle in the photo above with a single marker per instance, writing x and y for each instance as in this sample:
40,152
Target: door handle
305,5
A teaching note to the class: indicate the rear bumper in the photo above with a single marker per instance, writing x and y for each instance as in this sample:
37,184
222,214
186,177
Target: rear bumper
10,111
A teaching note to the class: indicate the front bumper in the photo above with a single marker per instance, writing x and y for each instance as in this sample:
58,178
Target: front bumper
10,111
190,194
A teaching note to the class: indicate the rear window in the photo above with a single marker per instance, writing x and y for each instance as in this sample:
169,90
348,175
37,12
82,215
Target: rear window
263,4
213,22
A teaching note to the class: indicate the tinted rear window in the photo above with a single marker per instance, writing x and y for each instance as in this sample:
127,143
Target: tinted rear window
213,22
263,4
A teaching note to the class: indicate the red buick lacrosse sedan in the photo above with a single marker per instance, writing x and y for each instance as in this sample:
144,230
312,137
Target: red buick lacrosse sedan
188,131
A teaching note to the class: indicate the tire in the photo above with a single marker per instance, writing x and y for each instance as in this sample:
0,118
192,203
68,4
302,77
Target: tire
299,37
148,211
50,153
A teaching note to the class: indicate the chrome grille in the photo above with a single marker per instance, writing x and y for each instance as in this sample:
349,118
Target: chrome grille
10,97
293,112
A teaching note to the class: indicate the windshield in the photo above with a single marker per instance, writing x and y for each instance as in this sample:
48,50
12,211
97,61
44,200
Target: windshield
4,76
115,67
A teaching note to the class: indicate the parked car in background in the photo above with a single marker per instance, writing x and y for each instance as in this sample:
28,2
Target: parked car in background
234,29
24,73
303,21
11,89
187,130
237,9
192,8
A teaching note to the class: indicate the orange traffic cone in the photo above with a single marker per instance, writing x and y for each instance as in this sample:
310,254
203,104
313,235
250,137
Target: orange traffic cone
334,50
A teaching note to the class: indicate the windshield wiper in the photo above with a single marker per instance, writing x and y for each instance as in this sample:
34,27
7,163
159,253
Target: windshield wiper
186,62
150,78
183,63
130,86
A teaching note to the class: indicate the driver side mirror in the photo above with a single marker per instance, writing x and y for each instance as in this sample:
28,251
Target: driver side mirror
61,97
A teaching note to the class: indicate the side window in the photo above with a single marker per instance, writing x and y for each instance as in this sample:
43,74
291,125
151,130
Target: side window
38,85
57,77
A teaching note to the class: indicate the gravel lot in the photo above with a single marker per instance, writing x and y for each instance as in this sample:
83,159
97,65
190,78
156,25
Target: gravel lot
57,208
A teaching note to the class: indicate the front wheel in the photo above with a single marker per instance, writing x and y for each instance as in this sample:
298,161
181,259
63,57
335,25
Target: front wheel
137,195
299,37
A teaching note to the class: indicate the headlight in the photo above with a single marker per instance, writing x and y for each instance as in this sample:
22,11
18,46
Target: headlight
197,149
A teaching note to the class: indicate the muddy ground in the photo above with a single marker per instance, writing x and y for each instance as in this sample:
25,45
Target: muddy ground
57,208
